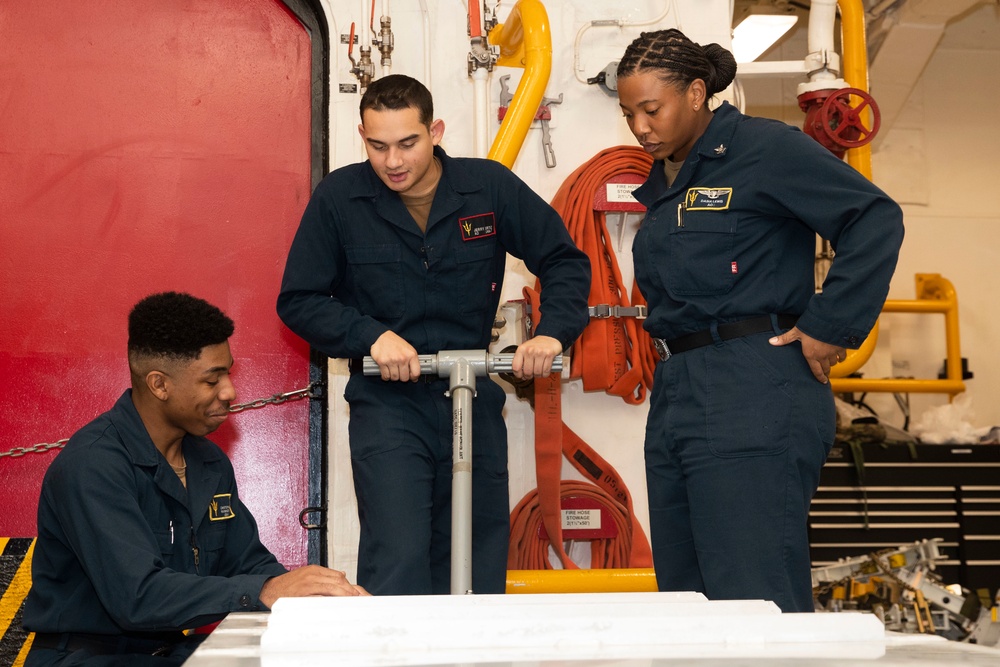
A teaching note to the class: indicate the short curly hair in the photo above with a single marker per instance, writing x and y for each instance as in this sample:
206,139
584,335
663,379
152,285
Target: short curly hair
175,325
398,91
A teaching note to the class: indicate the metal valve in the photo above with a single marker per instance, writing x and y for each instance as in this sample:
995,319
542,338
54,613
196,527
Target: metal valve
834,123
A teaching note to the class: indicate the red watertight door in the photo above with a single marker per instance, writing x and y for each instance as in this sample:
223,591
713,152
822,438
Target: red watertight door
149,146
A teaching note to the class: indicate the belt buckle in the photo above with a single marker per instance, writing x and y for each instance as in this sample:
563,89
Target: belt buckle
661,348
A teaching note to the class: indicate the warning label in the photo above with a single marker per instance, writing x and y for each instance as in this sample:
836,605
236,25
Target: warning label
581,519
621,192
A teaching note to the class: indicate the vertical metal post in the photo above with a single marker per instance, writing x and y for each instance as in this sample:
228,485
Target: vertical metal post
462,388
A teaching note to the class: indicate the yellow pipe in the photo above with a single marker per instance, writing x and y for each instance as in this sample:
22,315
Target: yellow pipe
916,306
852,26
898,386
935,294
524,41
857,358
621,580
855,64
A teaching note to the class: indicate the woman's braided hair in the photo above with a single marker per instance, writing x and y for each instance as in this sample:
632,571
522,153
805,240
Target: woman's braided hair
679,61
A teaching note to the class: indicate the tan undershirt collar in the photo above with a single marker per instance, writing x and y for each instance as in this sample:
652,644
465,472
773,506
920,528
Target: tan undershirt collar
419,206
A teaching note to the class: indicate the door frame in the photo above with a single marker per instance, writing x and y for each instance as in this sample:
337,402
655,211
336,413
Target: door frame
313,19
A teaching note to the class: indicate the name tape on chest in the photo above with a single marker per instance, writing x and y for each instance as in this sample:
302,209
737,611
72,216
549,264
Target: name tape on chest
221,507
478,226
707,199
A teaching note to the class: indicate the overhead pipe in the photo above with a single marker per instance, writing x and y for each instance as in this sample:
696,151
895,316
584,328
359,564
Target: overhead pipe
364,36
371,21
852,22
425,22
480,65
822,61
363,68
385,40
480,112
525,41
609,23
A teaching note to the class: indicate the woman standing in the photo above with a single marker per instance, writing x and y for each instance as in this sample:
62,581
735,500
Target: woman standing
741,414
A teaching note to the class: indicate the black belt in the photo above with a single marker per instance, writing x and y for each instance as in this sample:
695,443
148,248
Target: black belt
726,330
147,644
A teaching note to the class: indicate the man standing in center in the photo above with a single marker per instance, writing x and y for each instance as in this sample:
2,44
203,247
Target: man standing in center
404,255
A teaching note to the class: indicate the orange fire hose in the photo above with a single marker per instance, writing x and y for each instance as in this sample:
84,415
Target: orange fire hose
527,552
613,354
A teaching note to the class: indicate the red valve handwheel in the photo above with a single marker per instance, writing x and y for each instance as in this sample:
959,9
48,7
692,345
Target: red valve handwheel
843,124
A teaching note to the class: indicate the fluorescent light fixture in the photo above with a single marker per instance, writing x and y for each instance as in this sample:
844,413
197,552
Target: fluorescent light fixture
758,32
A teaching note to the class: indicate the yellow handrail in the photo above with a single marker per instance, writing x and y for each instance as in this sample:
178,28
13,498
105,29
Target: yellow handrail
524,41
935,294
857,358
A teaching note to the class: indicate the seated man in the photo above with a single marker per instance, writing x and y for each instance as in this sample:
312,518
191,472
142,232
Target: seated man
141,532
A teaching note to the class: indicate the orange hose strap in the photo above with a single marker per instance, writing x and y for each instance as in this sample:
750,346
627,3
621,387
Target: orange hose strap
553,440
613,354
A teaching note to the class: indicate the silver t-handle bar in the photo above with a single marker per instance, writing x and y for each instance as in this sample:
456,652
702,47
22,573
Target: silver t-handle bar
482,362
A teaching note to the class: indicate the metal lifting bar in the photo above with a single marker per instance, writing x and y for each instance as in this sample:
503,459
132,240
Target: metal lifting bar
461,367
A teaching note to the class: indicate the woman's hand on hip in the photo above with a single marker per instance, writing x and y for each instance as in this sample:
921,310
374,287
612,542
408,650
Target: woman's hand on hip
819,355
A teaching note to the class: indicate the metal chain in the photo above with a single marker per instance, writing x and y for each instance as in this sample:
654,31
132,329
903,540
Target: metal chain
35,449
277,399
312,391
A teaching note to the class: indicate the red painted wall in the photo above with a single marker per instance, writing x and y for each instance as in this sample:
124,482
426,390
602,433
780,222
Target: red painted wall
148,146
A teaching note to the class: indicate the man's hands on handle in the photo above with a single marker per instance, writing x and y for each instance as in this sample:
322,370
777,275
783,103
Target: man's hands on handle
398,360
819,355
306,581
533,358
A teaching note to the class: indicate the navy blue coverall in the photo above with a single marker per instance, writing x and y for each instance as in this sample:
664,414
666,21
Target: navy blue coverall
360,266
738,430
124,550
